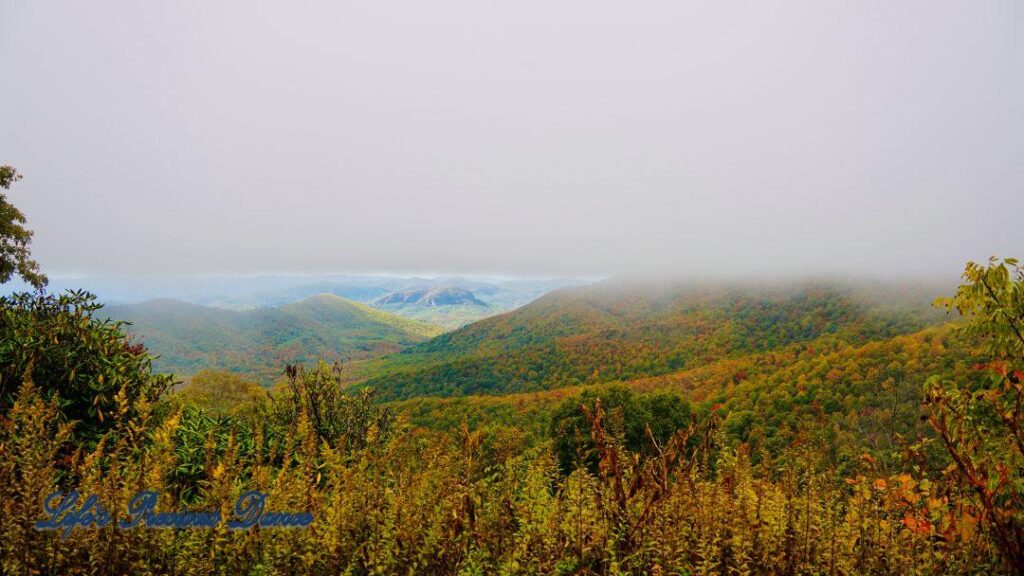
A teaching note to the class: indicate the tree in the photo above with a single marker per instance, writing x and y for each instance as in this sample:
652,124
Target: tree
626,420
981,425
15,258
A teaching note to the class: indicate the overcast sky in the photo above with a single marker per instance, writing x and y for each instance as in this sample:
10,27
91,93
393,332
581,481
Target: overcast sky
521,137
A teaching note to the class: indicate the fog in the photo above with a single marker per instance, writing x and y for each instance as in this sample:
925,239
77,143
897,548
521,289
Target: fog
525,138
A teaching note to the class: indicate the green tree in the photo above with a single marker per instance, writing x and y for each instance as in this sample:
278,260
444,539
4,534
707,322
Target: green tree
15,258
627,418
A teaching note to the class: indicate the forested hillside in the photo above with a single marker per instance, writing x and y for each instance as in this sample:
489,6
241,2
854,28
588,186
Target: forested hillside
614,331
188,337
865,396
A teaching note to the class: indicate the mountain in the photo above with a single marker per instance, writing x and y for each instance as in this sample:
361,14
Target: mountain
448,306
615,331
188,337
434,296
447,301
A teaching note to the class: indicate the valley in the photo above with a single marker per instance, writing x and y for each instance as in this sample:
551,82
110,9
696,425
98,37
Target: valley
254,326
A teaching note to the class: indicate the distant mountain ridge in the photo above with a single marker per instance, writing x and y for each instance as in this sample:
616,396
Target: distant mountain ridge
259,291
448,306
434,296
188,337
449,301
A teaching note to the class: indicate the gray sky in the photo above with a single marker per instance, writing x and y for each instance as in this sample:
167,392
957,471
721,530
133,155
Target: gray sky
525,137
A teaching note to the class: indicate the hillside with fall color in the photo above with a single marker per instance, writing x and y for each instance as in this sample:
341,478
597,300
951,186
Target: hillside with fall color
616,331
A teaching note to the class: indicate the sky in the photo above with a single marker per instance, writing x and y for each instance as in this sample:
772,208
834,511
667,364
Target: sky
531,137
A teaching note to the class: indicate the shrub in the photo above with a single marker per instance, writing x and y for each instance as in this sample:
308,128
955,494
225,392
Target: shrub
72,354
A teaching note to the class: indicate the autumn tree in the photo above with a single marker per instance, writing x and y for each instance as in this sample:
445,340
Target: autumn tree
15,258
981,425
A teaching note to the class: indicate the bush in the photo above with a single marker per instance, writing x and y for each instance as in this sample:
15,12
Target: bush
58,342
221,391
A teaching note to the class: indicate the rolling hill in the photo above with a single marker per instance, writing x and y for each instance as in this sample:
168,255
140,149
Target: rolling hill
616,331
188,337
862,397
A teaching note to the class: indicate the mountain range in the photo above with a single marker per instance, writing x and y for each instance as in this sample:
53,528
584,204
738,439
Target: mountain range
611,331
261,291
188,337
448,301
